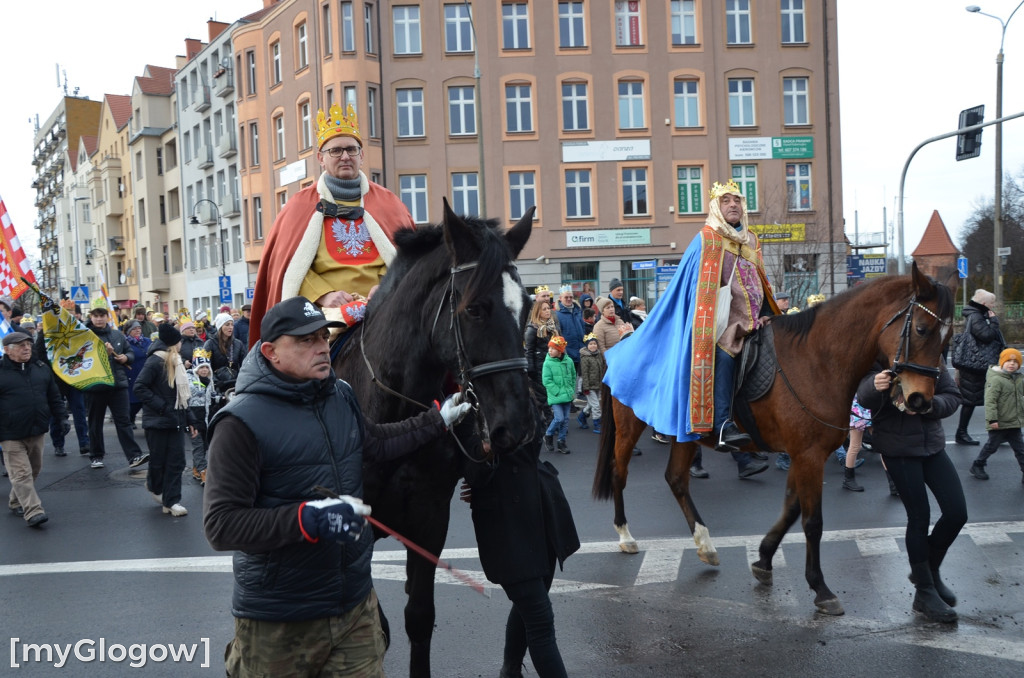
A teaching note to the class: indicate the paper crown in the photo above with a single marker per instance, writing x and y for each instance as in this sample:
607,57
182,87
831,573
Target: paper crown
99,302
564,289
540,288
340,123
718,190
183,316
201,356
558,342
815,299
589,338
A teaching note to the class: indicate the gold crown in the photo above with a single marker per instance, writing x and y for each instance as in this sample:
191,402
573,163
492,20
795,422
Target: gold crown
202,353
718,190
815,299
340,123
540,288
587,339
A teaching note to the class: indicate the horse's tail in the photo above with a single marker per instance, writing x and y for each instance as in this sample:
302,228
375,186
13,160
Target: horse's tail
606,448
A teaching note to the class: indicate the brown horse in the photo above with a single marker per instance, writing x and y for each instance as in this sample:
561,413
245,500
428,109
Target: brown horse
822,354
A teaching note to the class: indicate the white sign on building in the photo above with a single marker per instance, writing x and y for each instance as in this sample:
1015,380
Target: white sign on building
603,151
609,237
292,172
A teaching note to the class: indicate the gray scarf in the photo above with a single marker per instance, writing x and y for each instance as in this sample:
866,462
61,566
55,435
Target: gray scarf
343,190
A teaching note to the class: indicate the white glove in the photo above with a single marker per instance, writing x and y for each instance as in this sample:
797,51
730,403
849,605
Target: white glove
454,409
358,507
339,520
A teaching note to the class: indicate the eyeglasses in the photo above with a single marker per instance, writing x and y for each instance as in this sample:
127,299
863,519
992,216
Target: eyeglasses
338,151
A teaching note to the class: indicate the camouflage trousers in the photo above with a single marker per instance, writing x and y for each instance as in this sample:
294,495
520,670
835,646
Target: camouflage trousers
349,645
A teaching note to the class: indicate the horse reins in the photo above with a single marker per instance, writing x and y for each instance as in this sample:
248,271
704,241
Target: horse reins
897,366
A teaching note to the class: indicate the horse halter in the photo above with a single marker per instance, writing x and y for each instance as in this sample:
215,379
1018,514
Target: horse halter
899,366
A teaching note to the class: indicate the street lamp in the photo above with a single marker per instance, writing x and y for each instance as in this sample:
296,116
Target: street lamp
997,225
479,113
194,220
106,271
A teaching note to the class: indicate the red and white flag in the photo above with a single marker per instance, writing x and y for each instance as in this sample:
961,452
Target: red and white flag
14,264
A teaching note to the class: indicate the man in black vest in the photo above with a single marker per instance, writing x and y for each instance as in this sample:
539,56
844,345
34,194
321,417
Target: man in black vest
303,600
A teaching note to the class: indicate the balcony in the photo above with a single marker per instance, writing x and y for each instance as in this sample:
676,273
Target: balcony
224,81
227,146
229,205
205,156
202,100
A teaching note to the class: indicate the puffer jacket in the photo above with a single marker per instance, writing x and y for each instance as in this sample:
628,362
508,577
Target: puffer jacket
1004,399
896,434
559,378
28,396
989,337
592,367
156,395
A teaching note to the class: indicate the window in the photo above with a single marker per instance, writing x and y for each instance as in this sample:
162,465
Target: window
329,95
737,22
577,194
174,204
305,125
687,103
257,218
186,142
193,259
138,165
792,21
466,194
684,22
250,60
690,188
368,28
741,102
328,36
145,262
412,190
634,191
522,192
141,213
406,25
746,177
279,137
236,243
458,28
515,25
798,186
275,64
203,252
574,107
627,23
350,98
282,198
410,112
631,105
570,25
162,206
348,28
518,109
794,100
300,44
371,106
254,145
461,111
166,260
159,162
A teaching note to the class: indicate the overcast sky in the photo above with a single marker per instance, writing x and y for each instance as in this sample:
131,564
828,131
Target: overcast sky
906,69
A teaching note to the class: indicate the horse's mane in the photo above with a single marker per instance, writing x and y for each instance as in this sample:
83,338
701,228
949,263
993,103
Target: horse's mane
799,324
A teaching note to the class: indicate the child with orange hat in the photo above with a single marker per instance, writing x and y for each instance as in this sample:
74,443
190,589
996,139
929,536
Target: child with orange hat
1004,411
559,378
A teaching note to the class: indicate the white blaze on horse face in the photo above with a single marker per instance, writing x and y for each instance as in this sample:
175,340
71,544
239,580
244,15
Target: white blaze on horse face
944,331
513,295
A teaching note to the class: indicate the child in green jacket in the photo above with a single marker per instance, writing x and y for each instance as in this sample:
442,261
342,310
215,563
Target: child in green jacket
559,378
1004,411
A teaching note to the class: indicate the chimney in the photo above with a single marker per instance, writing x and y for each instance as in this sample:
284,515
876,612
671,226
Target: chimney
215,28
192,48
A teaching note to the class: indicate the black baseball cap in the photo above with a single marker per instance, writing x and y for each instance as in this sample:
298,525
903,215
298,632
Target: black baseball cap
295,317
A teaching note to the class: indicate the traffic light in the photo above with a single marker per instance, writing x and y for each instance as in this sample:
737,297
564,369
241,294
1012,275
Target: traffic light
968,144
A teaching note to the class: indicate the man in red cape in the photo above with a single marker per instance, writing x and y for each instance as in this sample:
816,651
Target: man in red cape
333,241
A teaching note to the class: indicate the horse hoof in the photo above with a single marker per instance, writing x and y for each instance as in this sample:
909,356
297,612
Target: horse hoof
709,557
629,547
762,575
832,607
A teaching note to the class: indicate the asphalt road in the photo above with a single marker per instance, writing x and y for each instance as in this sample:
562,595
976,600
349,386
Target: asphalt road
110,568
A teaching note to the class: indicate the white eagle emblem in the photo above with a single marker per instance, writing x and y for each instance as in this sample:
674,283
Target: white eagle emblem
352,235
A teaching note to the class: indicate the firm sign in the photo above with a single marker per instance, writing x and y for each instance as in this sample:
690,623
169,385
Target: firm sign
611,237
770,148
773,233
600,151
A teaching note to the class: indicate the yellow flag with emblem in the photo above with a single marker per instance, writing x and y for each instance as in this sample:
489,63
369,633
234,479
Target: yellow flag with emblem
77,355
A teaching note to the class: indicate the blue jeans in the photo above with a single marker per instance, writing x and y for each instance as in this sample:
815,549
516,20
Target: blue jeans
725,367
561,421
76,406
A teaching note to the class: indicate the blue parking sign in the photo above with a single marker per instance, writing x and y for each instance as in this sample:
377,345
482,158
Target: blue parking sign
225,295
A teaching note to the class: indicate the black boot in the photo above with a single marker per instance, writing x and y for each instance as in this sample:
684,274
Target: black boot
962,438
562,449
978,471
549,442
730,438
935,558
926,600
850,483
510,672
892,486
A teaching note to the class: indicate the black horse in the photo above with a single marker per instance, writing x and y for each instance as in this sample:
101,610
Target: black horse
450,311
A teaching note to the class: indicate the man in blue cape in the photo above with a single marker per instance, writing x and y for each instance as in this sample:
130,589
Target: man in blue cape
676,371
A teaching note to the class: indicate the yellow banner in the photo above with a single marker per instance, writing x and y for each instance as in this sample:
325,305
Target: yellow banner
77,355
769,233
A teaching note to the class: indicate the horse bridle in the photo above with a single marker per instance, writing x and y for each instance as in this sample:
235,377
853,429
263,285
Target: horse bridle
466,372
899,366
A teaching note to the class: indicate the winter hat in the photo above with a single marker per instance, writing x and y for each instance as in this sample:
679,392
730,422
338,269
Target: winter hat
557,342
1009,354
168,334
614,285
222,319
584,298
131,326
601,303
187,324
28,322
984,297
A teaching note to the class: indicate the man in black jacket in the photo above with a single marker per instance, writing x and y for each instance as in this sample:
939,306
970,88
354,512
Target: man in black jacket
28,396
303,599
114,397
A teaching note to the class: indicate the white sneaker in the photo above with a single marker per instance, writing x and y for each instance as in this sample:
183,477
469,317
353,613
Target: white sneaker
177,510
158,498
96,463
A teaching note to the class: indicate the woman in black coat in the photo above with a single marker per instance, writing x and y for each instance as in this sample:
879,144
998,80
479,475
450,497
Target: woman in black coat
508,502
982,323
163,388
226,351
